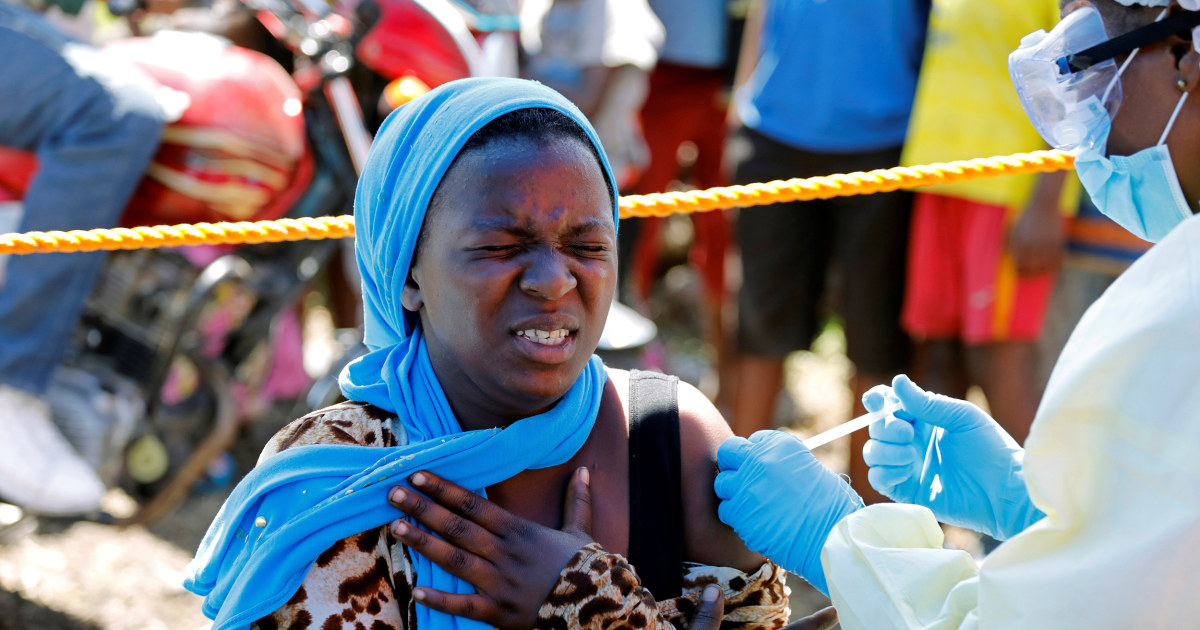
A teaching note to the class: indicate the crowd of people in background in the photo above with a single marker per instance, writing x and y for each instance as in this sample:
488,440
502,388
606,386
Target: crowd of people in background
972,284
975,284
966,286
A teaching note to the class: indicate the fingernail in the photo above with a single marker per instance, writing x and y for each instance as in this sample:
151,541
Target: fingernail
711,593
585,476
399,495
401,528
419,595
419,479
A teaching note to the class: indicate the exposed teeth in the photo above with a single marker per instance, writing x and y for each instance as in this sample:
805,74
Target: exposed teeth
545,337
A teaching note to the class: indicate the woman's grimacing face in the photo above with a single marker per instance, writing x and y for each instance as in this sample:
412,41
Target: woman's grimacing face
515,272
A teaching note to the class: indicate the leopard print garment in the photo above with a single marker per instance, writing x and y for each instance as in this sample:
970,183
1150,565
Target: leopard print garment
600,590
365,582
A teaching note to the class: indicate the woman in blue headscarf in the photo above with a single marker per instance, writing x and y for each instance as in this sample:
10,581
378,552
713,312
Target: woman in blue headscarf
486,238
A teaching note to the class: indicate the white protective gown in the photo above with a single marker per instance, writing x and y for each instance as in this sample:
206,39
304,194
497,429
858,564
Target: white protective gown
1113,459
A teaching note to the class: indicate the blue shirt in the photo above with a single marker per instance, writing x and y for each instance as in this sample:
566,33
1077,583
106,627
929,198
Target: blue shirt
696,31
836,76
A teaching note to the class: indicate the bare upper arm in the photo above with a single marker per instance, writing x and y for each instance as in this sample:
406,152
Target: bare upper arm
707,539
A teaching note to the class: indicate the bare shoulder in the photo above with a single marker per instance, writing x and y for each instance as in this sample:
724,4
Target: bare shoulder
618,386
619,379
701,431
351,423
699,419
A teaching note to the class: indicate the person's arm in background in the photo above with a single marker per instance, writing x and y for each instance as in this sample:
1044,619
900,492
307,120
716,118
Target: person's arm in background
608,34
161,7
1037,238
582,24
589,92
747,55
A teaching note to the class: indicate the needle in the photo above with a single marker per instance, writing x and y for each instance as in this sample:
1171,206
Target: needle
847,427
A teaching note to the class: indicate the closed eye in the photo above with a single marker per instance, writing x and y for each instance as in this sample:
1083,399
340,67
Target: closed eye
590,250
496,251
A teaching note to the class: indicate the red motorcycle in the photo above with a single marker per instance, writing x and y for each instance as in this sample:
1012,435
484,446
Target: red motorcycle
180,347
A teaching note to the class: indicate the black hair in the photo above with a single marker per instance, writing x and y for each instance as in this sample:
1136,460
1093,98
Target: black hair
537,123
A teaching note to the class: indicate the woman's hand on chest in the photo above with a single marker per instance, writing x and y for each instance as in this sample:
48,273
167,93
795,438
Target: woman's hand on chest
512,562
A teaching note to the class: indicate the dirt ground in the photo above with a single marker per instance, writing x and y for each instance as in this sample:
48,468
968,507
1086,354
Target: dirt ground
88,576
77,576
85,576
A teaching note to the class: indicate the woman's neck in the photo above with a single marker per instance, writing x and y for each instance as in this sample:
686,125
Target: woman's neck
472,406
473,416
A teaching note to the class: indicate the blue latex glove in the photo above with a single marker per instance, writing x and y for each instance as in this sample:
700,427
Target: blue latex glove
781,500
949,456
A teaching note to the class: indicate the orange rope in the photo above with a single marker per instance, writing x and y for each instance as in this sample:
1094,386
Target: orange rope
655,205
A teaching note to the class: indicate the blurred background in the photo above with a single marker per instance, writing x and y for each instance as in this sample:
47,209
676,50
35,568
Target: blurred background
171,368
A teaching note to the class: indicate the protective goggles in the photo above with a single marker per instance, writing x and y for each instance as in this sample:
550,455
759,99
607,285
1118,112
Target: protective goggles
1068,79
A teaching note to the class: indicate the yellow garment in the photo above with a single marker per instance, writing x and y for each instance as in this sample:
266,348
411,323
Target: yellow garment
1111,460
965,104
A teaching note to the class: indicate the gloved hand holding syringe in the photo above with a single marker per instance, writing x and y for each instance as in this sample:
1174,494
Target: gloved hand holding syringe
849,426
780,500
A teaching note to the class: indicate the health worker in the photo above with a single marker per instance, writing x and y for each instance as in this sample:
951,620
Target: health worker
1100,511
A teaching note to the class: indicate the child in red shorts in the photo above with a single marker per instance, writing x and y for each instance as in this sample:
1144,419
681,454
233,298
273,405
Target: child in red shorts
982,254
979,283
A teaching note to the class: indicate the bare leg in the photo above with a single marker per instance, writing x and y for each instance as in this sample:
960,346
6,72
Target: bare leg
857,468
940,366
759,381
345,300
725,359
1006,374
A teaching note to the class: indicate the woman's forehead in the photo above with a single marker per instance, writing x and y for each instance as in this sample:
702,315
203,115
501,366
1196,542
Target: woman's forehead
520,181
509,220
534,142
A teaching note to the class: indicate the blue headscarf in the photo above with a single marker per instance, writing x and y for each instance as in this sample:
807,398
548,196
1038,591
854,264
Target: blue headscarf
300,502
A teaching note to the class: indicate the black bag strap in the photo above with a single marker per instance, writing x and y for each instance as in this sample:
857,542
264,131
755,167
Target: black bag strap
655,486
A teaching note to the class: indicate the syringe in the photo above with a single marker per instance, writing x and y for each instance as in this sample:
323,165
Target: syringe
848,427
